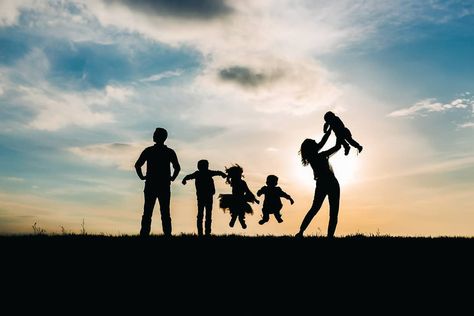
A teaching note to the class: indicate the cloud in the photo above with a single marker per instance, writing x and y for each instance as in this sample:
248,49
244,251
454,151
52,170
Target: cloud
271,84
467,125
10,10
432,105
54,108
247,77
14,179
163,75
202,9
119,155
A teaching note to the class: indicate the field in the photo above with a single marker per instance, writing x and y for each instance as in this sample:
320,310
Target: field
368,269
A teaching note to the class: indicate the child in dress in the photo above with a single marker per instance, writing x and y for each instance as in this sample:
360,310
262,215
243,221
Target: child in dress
238,201
205,190
343,134
272,203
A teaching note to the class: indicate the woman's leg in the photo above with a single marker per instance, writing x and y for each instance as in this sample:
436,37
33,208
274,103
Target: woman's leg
318,200
333,197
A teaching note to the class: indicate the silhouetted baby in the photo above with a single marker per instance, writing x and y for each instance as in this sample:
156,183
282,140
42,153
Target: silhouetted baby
272,203
238,201
343,134
205,191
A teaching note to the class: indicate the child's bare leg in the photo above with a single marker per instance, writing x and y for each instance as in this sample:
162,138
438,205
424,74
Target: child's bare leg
350,140
233,218
344,144
265,218
242,221
354,144
278,217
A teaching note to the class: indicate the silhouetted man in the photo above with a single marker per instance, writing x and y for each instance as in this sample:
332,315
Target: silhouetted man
158,180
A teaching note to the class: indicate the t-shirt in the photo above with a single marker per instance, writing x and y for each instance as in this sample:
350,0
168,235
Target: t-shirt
204,183
158,160
272,197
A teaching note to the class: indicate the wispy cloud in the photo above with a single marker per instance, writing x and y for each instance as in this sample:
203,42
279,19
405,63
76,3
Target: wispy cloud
467,125
54,108
426,106
14,179
119,155
163,75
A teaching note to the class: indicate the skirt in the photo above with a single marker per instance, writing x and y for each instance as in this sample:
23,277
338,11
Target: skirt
234,205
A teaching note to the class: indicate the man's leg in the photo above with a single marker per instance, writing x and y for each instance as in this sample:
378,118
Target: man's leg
164,196
150,200
200,215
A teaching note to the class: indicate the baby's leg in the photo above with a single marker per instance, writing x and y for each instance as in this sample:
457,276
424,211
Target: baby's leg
278,217
265,217
351,141
341,140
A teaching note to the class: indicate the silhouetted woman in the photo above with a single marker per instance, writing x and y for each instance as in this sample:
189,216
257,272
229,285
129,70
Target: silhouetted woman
326,182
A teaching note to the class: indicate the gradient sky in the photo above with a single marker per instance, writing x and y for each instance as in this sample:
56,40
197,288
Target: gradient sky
83,85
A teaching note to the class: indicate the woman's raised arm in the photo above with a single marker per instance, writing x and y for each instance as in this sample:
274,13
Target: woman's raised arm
331,151
323,140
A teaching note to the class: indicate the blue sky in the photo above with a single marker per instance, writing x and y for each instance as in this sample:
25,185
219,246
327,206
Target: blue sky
83,84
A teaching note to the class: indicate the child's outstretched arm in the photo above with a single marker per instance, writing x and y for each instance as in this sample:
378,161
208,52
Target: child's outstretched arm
260,192
250,196
189,177
287,196
218,173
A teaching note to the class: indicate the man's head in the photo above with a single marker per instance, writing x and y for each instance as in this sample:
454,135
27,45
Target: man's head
160,135
203,165
272,180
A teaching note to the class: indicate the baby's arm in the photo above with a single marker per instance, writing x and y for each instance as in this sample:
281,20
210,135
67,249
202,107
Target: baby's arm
287,196
260,192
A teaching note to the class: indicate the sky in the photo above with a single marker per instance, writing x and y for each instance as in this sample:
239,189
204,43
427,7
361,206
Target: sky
83,85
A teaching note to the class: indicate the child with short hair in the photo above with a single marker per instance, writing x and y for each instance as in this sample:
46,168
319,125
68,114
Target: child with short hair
205,190
272,203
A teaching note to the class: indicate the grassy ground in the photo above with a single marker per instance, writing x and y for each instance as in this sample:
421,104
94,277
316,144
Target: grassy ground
358,272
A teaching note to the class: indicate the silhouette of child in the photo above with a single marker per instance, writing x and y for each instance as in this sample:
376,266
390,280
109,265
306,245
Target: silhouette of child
272,203
343,134
205,191
238,201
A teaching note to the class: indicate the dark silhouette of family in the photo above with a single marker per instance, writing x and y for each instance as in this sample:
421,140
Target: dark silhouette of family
159,159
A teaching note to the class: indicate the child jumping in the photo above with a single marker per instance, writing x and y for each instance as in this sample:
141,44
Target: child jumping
205,191
238,201
272,203
343,134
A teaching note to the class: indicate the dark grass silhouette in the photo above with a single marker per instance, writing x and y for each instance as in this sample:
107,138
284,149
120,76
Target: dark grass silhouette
239,275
